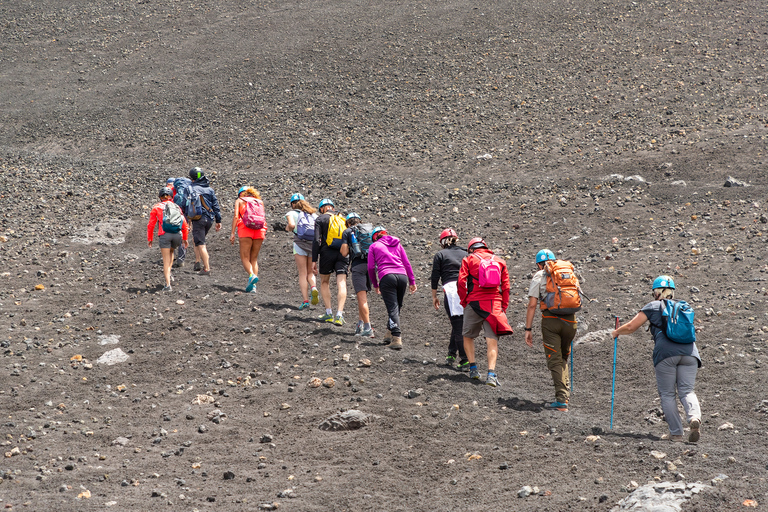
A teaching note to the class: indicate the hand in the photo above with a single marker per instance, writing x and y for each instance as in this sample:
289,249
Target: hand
615,334
149,243
412,288
436,302
232,239
529,338
378,291
314,267
185,243
218,226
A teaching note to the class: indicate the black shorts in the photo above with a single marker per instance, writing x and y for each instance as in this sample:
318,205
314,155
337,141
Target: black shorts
331,261
200,229
360,280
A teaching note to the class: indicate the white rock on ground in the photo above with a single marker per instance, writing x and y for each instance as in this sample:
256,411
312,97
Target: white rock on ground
112,357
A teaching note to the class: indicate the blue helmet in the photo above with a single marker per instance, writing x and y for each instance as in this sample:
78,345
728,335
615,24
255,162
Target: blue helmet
663,282
296,197
352,215
325,202
242,189
544,255
378,232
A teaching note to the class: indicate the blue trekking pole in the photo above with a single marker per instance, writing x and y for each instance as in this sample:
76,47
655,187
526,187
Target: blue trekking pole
613,382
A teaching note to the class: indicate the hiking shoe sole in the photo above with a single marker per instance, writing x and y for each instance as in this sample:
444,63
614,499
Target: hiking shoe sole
557,406
367,333
251,283
474,374
326,318
492,381
315,297
695,434
304,305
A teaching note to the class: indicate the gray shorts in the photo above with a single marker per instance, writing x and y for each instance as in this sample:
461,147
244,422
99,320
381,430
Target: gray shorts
474,322
200,229
170,240
360,280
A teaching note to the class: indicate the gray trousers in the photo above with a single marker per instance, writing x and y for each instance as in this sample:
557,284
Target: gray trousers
678,373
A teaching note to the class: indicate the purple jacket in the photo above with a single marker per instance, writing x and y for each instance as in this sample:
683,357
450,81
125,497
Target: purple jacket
387,256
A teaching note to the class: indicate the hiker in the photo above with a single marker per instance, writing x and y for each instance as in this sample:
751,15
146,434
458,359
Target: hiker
210,214
675,363
250,222
483,288
391,274
558,326
301,221
356,242
445,266
172,230
181,252
329,226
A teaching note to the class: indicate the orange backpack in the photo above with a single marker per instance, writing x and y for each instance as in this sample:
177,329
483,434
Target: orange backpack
563,290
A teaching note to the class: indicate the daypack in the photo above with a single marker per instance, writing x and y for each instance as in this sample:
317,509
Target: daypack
189,199
253,215
336,226
363,234
677,321
563,290
305,226
172,217
489,274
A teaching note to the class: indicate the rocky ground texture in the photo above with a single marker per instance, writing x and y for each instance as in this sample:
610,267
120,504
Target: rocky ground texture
627,137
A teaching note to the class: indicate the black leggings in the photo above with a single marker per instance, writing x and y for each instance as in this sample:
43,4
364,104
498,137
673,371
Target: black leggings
393,287
456,343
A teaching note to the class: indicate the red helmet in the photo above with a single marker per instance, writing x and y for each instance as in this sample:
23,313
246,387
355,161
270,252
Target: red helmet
476,243
448,232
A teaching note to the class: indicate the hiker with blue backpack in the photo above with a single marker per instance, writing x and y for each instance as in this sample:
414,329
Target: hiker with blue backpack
356,241
327,259
250,222
483,288
675,356
301,222
199,203
172,230
445,267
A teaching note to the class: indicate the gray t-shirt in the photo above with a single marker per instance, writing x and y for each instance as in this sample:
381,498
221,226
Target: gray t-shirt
538,286
663,347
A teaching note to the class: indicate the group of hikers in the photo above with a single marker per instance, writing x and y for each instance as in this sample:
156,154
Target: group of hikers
475,284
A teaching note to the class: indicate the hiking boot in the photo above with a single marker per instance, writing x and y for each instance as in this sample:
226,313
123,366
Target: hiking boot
251,283
474,373
463,365
397,343
315,297
167,288
670,437
204,273
449,360
304,305
491,380
326,318
367,333
178,264
339,320
557,406
198,266
693,437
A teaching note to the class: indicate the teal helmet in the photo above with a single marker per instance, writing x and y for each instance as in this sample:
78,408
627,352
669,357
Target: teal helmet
544,255
242,189
325,202
296,197
663,282
378,232
352,215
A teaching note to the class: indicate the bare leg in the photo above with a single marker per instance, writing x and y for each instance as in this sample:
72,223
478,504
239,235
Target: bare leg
310,275
493,352
325,290
245,254
254,256
201,254
469,348
167,262
304,272
362,307
341,290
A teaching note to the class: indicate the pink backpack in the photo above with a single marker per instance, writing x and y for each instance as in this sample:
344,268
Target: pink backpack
489,275
253,215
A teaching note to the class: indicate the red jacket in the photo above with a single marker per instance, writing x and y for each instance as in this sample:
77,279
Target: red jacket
156,216
490,303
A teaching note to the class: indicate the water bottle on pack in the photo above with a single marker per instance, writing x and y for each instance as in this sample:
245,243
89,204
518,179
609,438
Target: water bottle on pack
355,245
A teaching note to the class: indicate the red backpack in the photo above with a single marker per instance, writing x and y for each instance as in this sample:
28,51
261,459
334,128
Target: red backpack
253,215
489,274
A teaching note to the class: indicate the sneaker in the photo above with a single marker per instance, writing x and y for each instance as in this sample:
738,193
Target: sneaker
253,290
670,437
198,266
167,288
358,329
204,273
491,380
474,373
557,406
178,264
339,320
304,305
367,333
449,360
463,365
693,437
315,297
326,318
251,283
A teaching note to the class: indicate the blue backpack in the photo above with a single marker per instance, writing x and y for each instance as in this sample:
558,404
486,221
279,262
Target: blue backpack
305,226
188,199
677,321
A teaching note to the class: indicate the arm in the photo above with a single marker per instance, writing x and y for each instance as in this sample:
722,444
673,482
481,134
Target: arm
372,267
461,285
631,326
504,286
216,209
344,250
290,223
533,302
184,232
235,218
436,267
151,225
435,300
316,241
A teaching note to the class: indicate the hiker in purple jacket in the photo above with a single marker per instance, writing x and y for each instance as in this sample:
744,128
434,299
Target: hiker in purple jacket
387,258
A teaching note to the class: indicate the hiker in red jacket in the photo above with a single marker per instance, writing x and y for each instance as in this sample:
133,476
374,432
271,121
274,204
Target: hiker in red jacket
483,288
171,231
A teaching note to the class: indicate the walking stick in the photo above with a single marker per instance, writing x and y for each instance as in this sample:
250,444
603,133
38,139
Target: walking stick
613,381
570,380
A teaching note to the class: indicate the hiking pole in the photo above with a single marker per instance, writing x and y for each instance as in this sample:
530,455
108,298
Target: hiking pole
613,381
570,379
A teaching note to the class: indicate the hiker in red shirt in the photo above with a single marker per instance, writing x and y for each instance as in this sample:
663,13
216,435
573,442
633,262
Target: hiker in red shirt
483,288
251,238
171,230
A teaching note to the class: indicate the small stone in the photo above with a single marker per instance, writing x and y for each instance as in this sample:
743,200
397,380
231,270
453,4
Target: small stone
314,382
202,429
525,491
329,382
726,426
503,466
266,438
657,454
228,475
